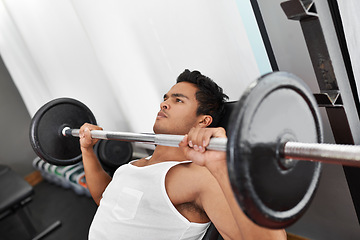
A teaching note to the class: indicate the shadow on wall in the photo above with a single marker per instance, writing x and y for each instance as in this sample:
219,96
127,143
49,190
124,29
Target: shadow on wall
15,148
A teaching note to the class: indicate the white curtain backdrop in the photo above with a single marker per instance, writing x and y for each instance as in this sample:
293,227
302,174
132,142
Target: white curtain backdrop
120,56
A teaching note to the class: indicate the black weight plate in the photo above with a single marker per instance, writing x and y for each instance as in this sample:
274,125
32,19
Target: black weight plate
112,154
46,126
277,108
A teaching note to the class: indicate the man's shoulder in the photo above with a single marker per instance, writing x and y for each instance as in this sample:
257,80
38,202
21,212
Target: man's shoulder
193,173
189,166
186,181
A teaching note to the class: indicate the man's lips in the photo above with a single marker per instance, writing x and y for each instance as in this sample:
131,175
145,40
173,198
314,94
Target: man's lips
161,115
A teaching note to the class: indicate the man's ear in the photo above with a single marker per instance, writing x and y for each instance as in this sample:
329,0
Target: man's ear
205,121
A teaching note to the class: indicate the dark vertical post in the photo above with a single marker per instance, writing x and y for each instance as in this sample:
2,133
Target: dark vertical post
264,35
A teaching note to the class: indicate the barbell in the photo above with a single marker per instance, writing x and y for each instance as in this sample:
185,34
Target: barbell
275,124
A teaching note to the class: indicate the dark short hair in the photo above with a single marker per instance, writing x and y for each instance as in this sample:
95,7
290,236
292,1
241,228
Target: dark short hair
210,96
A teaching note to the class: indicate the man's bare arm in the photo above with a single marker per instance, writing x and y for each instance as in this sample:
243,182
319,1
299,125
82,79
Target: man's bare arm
194,147
96,178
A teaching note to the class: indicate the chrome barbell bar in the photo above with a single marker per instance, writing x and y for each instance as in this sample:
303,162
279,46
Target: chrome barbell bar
348,155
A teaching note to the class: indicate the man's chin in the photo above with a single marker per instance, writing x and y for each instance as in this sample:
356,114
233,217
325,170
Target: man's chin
157,130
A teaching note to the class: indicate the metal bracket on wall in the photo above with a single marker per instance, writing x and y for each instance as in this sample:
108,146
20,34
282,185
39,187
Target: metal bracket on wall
330,97
329,100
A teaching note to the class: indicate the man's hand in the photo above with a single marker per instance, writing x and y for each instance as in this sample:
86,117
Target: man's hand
96,178
86,142
194,147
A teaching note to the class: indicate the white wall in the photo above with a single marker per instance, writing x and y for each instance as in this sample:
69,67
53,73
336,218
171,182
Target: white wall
350,18
120,57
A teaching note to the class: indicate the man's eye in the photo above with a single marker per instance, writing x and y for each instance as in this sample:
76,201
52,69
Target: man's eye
178,100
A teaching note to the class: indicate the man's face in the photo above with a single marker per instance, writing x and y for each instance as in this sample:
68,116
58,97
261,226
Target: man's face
178,110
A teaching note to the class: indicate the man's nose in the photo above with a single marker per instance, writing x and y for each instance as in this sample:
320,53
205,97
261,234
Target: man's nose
164,105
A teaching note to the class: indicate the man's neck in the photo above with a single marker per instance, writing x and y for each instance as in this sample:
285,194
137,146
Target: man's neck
164,153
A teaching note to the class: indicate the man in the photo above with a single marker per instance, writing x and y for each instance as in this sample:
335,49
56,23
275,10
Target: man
166,196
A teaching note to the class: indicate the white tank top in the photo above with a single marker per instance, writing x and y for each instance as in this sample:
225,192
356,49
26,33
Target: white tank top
135,205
